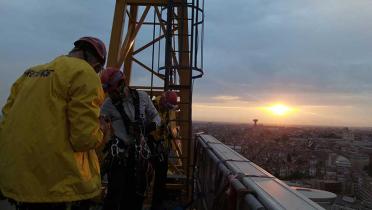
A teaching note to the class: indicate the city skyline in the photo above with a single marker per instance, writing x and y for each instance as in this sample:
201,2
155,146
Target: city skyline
337,160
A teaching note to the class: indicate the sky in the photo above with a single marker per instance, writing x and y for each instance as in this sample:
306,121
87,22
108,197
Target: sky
312,55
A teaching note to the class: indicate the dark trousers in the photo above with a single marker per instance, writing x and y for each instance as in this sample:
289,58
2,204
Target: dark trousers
125,186
81,205
160,165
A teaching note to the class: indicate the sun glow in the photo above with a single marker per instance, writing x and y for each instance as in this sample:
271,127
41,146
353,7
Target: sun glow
279,109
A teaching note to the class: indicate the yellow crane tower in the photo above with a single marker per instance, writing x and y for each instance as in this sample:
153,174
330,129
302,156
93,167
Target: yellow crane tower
160,42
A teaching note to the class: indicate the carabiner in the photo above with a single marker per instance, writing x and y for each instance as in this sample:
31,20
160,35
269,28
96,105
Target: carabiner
115,148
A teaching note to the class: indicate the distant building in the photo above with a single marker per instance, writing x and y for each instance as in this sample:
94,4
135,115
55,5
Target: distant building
342,162
255,122
364,191
331,159
332,186
323,198
313,167
370,165
345,203
347,135
359,161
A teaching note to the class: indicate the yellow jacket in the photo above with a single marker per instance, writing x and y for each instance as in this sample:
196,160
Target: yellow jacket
168,128
48,133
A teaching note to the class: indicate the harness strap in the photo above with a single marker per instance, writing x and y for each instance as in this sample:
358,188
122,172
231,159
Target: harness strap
118,103
119,107
135,97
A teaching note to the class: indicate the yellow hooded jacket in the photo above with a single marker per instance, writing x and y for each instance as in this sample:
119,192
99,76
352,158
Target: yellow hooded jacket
49,131
168,128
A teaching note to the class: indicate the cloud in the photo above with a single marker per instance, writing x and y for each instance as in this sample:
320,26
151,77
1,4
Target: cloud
307,53
226,98
34,32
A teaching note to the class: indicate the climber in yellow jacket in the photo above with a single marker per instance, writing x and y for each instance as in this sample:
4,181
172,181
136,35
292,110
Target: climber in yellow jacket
161,145
50,129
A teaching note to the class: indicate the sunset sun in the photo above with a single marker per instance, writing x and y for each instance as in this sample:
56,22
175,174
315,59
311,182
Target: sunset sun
279,109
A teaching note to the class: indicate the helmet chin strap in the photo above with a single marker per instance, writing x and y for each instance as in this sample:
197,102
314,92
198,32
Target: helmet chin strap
123,90
85,55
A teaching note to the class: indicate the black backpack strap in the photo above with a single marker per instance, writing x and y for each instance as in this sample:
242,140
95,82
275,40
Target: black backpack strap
118,103
136,104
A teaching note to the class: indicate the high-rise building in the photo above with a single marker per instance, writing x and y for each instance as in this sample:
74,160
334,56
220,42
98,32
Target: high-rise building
370,165
364,191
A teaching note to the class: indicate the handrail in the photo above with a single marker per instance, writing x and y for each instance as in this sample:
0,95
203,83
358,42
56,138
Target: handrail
227,180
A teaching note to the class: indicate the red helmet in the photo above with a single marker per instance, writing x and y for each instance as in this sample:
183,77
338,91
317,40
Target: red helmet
111,78
169,99
97,45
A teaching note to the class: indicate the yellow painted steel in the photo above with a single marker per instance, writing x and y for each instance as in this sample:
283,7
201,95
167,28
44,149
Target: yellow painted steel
116,33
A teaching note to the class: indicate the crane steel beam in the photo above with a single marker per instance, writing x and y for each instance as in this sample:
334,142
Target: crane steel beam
116,32
151,2
172,23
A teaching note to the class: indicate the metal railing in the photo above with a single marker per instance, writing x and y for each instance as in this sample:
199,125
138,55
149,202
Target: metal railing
225,180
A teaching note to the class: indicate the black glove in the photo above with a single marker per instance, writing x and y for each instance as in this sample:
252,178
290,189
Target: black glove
2,197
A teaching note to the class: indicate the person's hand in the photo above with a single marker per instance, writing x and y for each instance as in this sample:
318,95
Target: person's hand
150,127
105,126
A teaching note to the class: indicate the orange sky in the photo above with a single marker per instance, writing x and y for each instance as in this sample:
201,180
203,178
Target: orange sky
229,109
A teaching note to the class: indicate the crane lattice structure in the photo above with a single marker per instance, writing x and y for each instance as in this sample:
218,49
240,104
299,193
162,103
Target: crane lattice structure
169,59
